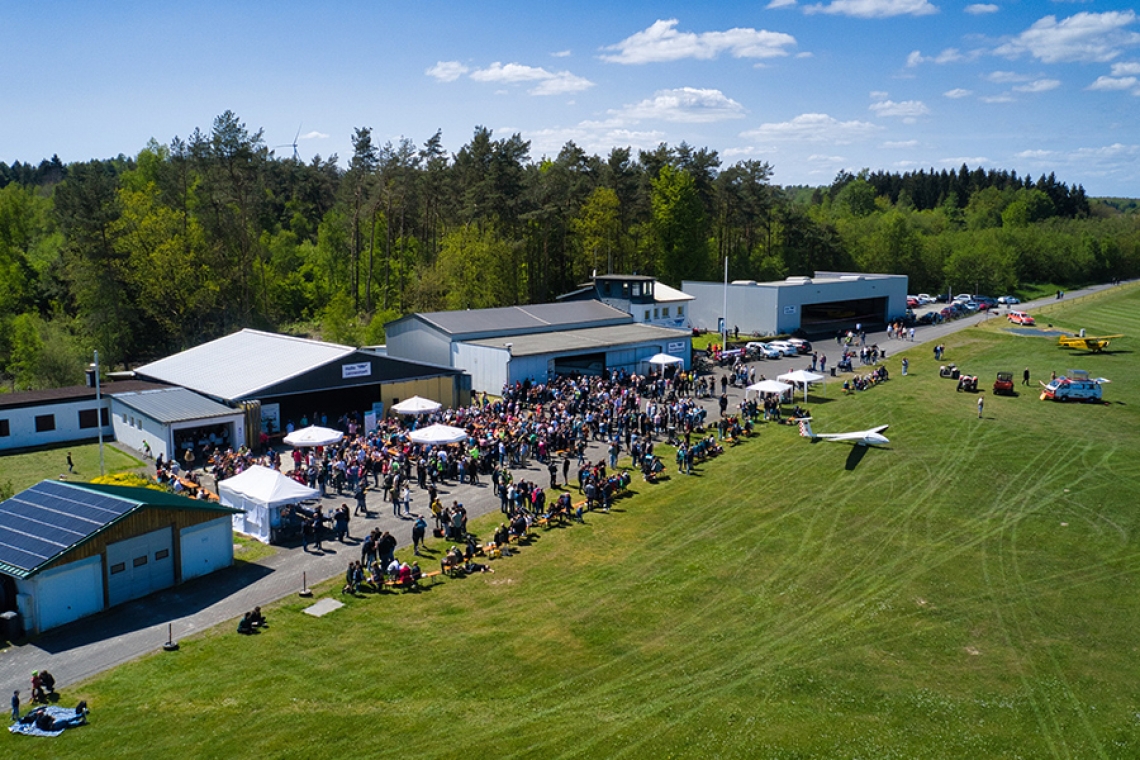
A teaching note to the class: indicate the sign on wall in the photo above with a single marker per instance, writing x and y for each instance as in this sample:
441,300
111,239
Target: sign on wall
675,347
363,369
270,418
789,309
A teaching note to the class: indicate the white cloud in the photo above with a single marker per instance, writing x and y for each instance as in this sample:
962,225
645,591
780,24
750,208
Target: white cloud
1040,85
901,144
813,127
662,42
749,150
879,94
1004,77
314,135
1116,150
874,8
968,160
956,93
561,54
819,158
548,83
684,104
1005,97
780,4
949,55
1084,37
978,9
1116,83
593,137
1125,69
447,71
1034,154
906,109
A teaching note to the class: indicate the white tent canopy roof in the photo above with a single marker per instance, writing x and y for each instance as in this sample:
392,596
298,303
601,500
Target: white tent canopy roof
770,386
417,405
801,376
266,486
665,359
438,434
313,436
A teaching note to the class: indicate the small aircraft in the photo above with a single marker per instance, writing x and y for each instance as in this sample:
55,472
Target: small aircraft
1088,343
872,437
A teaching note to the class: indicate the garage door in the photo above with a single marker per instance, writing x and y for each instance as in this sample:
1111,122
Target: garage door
207,547
68,593
139,566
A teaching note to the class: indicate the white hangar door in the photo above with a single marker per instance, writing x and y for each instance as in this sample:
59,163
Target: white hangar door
207,547
68,593
139,566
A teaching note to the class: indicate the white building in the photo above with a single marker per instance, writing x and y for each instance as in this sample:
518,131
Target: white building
169,420
644,298
58,415
817,306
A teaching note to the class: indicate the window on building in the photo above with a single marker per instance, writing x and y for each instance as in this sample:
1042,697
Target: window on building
139,561
45,423
105,416
664,311
88,418
118,568
161,554
680,311
647,315
5,430
637,290
655,313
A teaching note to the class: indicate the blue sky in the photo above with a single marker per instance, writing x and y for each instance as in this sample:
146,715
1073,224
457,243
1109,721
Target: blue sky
810,87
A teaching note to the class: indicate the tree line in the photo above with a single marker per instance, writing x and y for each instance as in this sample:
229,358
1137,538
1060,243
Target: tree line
194,238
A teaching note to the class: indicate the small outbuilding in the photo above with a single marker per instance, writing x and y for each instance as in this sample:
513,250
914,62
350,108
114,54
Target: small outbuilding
69,550
167,421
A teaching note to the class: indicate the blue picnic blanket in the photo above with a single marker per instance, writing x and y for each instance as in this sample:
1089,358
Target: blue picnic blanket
59,713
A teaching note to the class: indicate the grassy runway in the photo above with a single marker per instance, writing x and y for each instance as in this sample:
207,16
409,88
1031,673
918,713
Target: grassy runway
968,591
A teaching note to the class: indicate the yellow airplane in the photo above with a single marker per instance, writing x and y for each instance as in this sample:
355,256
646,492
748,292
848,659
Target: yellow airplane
1088,343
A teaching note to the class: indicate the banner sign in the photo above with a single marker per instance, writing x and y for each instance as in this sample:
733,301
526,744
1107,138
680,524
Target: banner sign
363,369
675,347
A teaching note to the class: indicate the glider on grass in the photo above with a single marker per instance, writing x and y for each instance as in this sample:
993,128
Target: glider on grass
872,437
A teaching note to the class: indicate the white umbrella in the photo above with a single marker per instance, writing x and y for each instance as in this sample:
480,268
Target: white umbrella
801,377
417,405
770,386
313,436
438,434
665,359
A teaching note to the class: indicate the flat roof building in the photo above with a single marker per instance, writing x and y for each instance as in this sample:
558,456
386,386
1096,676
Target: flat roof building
816,306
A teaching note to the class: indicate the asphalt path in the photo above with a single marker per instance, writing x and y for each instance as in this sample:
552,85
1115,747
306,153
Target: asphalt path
90,646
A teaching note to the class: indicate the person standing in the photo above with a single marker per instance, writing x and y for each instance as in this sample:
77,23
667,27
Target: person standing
16,706
70,464
1025,377
981,404
419,530
905,366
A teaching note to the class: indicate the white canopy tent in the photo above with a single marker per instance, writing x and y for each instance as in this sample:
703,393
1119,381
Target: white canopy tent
770,386
417,405
261,492
802,377
438,435
665,359
313,435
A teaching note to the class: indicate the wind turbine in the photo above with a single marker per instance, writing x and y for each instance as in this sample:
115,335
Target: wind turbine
293,144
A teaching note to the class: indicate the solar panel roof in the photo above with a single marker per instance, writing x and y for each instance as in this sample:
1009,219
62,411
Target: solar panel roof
43,522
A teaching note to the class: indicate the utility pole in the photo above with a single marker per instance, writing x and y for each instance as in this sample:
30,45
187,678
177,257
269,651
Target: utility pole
99,411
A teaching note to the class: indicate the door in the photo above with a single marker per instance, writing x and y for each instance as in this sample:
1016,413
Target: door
139,566
68,593
207,547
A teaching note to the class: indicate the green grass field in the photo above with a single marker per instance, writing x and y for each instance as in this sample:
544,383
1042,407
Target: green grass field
28,468
968,591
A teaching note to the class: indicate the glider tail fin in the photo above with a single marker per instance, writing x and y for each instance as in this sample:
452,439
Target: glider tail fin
805,429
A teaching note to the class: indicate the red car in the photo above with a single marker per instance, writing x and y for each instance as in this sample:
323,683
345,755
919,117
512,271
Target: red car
1021,318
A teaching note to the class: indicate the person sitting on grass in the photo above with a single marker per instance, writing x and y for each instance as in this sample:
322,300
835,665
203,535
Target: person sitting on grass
245,625
477,567
257,619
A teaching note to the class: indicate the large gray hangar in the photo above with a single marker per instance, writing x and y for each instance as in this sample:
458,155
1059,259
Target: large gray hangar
519,343
817,306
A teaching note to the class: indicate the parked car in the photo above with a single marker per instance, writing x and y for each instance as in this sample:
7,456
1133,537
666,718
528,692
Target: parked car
985,302
1008,300
787,349
963,297
1021,318
942,298
757,348
924,299
970,305
1077,386
926,319
912,302
802,346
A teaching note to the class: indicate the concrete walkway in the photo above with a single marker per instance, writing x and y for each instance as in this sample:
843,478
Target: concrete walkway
87,647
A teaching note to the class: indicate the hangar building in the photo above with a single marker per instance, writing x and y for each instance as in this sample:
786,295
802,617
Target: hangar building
816,306
536,342
277,378
69,550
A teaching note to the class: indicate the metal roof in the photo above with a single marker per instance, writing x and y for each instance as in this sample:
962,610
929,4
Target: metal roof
174,405
70,394
239,365
662,293
42,523
592,338
521,319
